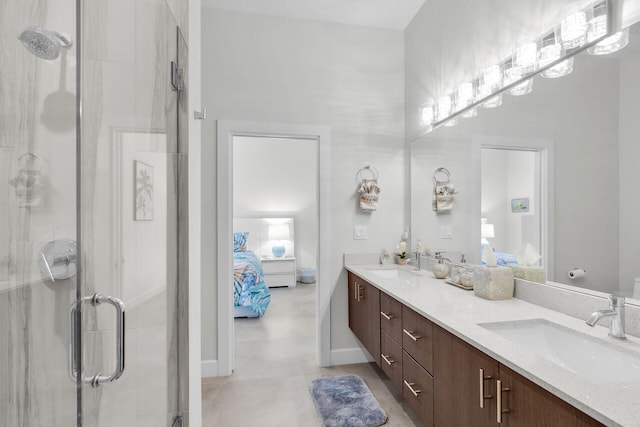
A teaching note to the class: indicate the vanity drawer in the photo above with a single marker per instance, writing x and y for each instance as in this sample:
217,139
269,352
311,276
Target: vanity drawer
391,317
417,337
391,359
417,389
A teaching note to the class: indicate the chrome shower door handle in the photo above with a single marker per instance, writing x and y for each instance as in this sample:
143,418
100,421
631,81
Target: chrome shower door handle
118,305
74,323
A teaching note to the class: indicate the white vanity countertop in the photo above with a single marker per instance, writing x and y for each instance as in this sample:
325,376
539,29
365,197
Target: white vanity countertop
460,311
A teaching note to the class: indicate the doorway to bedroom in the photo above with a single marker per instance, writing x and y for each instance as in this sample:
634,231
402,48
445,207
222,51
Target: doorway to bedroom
275,215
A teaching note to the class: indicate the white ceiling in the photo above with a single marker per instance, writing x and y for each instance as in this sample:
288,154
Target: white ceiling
395,14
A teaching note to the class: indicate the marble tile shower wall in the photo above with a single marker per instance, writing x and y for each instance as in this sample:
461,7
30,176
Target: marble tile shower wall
37,204
129,114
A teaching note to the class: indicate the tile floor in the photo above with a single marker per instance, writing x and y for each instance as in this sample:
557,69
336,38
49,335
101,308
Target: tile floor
275,363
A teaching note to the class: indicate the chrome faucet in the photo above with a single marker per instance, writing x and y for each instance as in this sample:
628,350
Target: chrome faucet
416,260
616,312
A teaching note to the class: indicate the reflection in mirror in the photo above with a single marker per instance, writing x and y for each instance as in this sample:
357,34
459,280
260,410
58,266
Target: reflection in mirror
590,119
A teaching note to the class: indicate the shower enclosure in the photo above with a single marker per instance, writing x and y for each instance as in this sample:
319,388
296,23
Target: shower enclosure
93,155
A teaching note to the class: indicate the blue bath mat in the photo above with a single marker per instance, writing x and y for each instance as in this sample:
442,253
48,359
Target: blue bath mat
346,401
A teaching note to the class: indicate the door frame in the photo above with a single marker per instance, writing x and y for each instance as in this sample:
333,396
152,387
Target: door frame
227,130
544,187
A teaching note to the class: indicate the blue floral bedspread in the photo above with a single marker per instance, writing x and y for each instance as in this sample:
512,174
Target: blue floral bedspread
251,296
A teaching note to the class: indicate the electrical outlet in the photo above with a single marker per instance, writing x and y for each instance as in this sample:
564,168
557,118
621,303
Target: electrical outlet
446,232
360,232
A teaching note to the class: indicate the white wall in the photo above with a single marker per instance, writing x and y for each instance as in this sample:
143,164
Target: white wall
277,177
268,69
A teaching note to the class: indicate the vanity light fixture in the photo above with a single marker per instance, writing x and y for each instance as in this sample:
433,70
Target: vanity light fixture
582,27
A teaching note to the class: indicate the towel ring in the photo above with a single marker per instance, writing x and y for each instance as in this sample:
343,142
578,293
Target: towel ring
443,171
368,168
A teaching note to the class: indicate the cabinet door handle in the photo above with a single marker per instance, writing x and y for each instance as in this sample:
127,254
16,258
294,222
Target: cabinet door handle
387,316
387,359
413,390
412,335
483,378
499,410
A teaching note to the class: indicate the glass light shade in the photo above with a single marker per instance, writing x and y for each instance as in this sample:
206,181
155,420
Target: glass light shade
427,115
526,57
611,44
471,113
451,123
494,102
562,69
443,107
597,25
573,30
550,51
491,80
464,95
523,88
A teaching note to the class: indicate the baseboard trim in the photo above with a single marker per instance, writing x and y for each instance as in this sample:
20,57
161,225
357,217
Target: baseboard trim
349,356
209,368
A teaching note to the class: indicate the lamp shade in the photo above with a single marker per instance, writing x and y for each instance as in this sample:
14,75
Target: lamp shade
487,230
279,232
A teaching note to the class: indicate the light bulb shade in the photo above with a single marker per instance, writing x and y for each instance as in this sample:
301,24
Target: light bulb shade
523,88
573,29
279,232
487,231
562,69
443,107
611,44
470,113
494,102
491,79
465,95
598,24
526,57
427,115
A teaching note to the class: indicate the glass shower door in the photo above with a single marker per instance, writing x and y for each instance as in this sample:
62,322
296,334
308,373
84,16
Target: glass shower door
38,259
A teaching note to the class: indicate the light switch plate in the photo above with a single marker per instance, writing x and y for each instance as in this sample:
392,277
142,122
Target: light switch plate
360,232
446,232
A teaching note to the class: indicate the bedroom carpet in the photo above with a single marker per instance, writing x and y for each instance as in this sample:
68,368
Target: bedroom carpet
346,401
275,361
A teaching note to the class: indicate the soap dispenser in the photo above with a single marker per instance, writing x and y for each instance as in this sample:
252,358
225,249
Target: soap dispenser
440,270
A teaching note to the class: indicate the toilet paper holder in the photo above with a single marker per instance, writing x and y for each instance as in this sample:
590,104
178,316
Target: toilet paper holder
577,273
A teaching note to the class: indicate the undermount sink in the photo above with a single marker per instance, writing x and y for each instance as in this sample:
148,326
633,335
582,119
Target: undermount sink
591,358
394,272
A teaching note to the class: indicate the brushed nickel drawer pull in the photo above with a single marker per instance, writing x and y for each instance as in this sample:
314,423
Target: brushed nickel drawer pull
387,316
412,335
499,410
388,359
482,380
414,391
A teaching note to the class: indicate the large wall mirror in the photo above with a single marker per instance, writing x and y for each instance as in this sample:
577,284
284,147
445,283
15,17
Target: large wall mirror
570,151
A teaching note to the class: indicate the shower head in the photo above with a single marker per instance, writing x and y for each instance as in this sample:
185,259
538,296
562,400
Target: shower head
43,43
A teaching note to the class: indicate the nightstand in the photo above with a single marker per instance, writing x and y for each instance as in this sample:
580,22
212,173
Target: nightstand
279,271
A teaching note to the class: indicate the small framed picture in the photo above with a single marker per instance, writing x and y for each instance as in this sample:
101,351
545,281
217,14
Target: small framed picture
520,205
144,191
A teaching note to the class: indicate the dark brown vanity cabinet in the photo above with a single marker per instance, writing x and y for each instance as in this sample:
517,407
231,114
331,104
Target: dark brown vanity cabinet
472,389
364,314
446,381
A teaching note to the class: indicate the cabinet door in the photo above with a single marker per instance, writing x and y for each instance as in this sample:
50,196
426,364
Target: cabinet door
457,385
391,317
417,339
417,389
391,360
529,405
364,314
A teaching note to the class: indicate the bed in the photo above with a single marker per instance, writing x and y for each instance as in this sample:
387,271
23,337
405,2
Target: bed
251,296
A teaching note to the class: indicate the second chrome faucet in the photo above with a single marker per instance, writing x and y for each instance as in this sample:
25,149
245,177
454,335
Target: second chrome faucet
617,315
